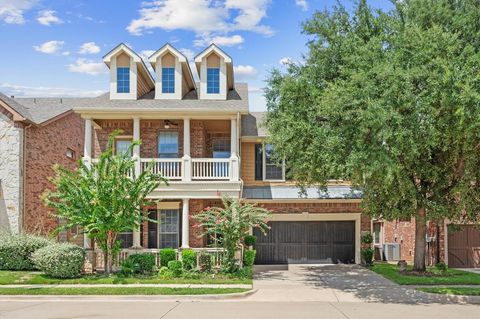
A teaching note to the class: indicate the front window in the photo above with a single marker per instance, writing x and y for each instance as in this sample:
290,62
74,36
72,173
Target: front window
272,170
168,144
168,80
169,226
125,239
122,146
377,229
123,80
213,80
221,148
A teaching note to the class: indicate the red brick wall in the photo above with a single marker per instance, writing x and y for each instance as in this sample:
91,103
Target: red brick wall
46,146
402,232
197,139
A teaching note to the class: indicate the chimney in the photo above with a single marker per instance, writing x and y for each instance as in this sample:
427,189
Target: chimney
12,96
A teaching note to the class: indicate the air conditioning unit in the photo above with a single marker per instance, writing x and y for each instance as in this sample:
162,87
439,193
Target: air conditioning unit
391,251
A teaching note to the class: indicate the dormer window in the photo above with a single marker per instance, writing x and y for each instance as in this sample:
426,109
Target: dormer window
123,80
168,80
213,80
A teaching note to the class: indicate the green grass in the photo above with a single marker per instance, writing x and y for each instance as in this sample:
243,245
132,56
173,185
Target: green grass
452,276
29,278
453,291
119,291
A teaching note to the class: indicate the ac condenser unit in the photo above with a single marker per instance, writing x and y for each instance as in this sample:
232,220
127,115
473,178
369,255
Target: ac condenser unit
391,251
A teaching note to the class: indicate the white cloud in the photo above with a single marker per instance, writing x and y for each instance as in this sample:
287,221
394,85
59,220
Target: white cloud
243,72
87,67
302,4
89,48
44,91
187,53
47,17
204,17
11,11
285,61
50,47
226,41
145,54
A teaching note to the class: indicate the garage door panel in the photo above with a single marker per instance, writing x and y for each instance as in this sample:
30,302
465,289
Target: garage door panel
295,242
464,247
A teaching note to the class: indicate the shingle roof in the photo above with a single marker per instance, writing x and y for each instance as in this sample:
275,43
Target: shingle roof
39,110
293,192
252,124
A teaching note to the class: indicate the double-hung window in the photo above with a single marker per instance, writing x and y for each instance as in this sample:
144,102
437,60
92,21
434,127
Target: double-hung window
168,144
213,80
122,146
169,228
272,170
123,80
168,80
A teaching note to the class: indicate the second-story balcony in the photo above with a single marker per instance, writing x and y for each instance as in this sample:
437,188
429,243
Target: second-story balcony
199,157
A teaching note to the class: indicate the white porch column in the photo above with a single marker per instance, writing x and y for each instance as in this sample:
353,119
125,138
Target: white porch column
186,163
136,156
86,242
234,167
185,224
87,148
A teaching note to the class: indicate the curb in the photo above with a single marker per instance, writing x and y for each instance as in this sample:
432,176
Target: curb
121,298
449,298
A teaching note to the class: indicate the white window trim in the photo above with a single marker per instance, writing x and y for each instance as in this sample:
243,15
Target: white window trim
264,168
160,233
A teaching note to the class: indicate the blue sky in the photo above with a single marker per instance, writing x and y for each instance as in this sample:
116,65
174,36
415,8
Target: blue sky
54,47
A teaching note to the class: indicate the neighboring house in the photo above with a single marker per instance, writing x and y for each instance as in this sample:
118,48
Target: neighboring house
35,133
202,137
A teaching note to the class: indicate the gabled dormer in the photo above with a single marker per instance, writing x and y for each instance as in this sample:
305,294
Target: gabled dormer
129,77
174,77
215,68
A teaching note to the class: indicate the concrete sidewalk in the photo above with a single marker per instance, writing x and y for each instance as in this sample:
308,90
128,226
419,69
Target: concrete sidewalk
243,286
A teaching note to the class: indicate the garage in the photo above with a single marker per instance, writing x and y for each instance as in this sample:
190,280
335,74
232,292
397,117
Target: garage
464,246
290,242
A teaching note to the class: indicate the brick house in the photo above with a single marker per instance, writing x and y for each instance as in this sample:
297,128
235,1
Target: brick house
202,137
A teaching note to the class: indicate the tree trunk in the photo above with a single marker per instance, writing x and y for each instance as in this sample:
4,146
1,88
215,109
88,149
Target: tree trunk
420,241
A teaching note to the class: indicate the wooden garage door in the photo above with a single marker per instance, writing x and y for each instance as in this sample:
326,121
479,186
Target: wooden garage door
307,242
464,247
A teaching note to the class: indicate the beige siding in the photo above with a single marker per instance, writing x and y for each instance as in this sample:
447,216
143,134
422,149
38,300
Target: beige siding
168,61
123,60
213,61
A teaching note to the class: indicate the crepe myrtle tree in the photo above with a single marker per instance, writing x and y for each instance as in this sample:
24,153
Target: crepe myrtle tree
228,225
104,199
389,101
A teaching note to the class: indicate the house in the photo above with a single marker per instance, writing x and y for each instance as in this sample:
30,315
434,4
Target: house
203,138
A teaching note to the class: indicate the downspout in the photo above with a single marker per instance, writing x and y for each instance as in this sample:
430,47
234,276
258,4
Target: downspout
24,175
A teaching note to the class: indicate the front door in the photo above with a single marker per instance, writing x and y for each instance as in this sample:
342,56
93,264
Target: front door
165,232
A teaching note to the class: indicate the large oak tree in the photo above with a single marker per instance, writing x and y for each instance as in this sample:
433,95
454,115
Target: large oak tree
391,102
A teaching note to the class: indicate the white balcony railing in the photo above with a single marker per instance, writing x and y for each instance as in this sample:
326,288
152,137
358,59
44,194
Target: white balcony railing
210,168
170,168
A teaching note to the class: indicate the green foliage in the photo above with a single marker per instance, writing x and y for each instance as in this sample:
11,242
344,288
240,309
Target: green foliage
176,267
205,262
165,273
245,272
367,238
60,260
138,264
388,101
16,251
166,255
249,257
189,259
250,240
367,255
104,200
228,225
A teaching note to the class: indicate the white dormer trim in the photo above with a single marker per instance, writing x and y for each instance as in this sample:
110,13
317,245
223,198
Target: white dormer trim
110,59
156,61
226,67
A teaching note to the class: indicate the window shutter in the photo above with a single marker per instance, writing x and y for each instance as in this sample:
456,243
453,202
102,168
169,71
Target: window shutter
258,162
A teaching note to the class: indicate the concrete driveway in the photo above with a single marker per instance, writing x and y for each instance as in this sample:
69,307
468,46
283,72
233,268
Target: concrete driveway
334,283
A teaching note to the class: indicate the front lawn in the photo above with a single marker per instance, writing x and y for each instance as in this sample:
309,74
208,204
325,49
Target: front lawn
465,291
29,278
119,291
451,277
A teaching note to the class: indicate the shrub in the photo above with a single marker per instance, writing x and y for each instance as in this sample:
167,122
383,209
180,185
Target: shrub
245,272
138,264
60,260
192,274
165,273
367,254
205,262
167,255
176,267
16,251
367,238
250,240
249,258
189,259
441,267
